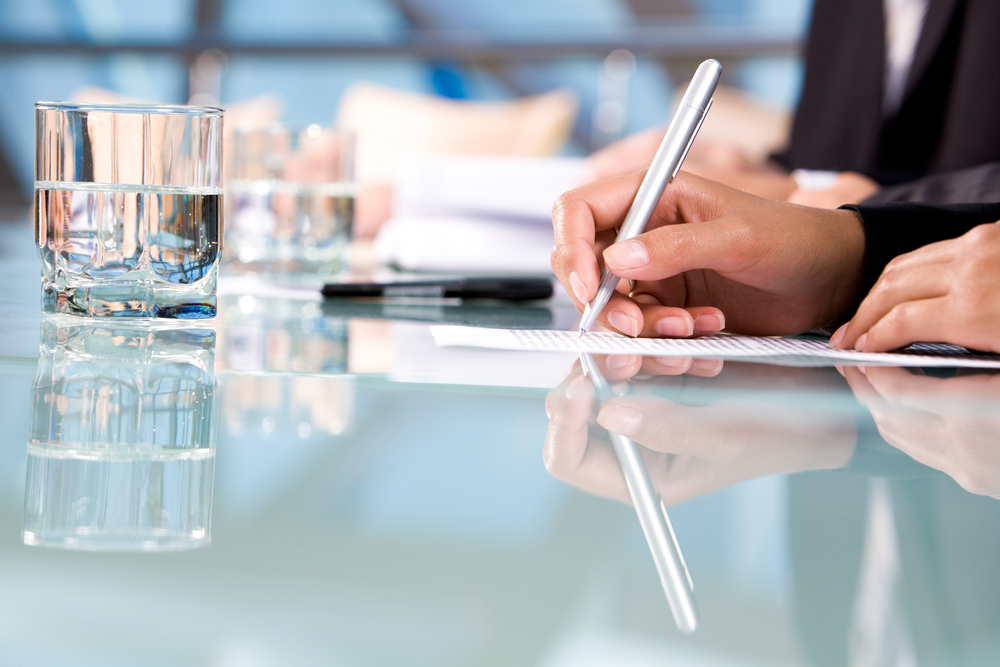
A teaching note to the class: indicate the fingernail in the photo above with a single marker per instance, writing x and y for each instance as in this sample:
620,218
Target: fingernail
676,327
620,419
709,323
864,370
627,255
840,369
627,325
577,388
707,364
835,339
616,362
862,342
579,289
673,362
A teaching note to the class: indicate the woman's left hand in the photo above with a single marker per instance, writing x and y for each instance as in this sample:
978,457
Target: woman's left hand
945,292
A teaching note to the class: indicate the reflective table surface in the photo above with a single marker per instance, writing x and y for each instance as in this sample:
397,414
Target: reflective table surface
308,483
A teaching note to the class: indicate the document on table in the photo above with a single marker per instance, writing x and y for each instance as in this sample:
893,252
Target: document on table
788,351
475,214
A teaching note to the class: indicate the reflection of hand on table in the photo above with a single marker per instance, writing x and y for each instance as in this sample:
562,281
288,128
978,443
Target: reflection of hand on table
692,450
944,292
949,424
711,257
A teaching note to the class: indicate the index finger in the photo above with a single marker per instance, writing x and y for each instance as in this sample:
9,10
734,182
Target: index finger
577,218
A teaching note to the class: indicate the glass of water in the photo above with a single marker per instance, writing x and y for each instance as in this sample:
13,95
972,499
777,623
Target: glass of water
291,201
121,448
128,206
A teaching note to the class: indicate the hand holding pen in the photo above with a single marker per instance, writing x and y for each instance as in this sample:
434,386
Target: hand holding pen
711,257
681,132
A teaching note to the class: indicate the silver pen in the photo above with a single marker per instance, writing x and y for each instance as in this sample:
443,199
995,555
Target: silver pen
676,143
652,512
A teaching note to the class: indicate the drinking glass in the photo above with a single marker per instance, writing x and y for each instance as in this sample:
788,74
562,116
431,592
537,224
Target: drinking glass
121,448
128,206
291,200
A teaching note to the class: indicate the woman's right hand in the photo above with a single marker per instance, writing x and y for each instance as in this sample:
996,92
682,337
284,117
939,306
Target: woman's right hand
712,257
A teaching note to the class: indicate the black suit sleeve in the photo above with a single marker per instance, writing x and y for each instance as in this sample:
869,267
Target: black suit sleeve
978,184
897,228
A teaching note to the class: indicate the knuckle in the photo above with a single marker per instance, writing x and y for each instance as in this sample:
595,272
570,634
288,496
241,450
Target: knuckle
560,260
892,279
897,319
981,234
894,267
562,206
556,256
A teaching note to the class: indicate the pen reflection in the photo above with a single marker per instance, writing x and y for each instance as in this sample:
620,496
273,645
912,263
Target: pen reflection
652,514
121,449
879,550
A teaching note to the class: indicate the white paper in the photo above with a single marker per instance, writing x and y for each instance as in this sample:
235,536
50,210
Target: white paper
792,351
417,359
465,245
250,285
483,185
475,214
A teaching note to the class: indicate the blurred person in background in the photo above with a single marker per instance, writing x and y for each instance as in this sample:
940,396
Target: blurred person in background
900,103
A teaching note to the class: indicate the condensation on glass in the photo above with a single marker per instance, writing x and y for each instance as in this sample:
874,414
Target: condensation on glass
128,209
291,200
121,448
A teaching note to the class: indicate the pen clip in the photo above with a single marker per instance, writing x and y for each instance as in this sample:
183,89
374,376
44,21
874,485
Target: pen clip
694,134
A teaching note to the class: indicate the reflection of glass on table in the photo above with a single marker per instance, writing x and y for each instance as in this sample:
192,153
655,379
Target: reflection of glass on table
291,368
290,199
127,209
121,451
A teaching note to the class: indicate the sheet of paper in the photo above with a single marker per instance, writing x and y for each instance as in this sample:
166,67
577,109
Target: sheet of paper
465,245
475,214
489,186
793,351
251,285
415,358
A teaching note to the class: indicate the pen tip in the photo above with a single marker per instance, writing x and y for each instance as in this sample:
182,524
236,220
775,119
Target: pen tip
582,331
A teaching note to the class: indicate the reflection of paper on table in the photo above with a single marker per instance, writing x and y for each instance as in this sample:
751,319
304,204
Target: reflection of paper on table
789,351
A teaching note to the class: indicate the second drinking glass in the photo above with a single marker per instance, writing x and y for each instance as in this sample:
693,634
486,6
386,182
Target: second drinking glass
290,201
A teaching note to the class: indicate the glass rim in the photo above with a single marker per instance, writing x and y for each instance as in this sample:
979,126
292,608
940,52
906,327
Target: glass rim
132,108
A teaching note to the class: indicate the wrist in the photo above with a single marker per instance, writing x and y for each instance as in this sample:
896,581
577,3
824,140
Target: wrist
850,287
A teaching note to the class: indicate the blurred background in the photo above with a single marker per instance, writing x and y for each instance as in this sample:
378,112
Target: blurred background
615,63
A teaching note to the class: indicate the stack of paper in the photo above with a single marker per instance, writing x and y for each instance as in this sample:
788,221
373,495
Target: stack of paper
475,214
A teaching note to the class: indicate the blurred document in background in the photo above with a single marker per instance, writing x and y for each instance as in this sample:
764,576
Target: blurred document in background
475,214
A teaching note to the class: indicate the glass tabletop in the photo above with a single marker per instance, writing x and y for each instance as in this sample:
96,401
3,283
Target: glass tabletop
301,482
